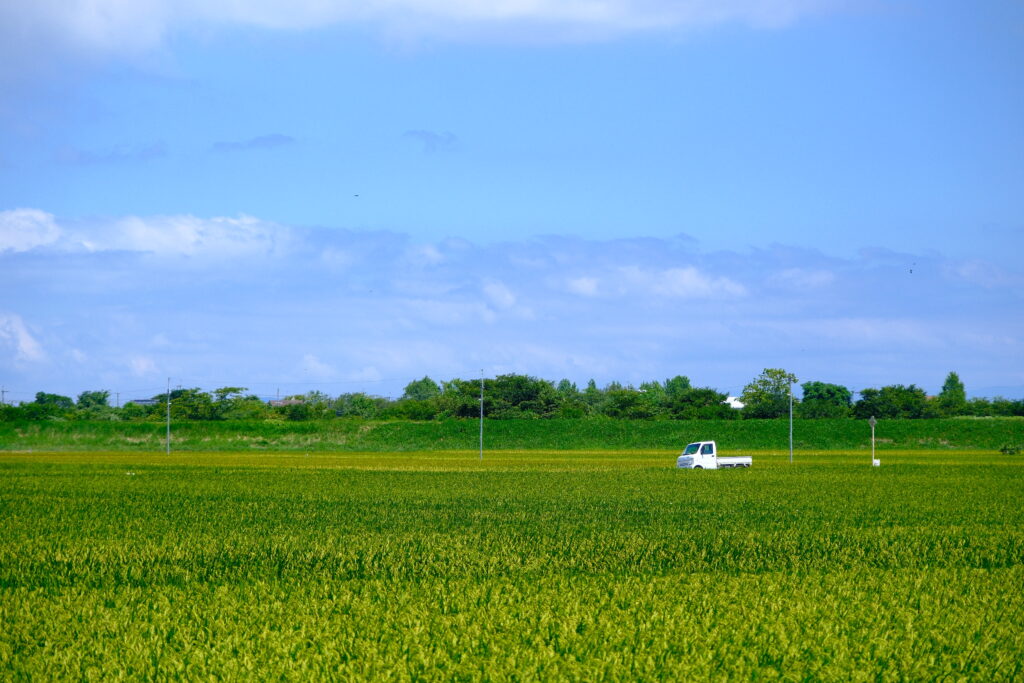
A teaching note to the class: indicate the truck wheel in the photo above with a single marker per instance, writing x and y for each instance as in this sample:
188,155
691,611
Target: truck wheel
697,467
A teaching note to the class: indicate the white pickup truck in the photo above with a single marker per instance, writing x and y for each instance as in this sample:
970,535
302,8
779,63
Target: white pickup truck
703,455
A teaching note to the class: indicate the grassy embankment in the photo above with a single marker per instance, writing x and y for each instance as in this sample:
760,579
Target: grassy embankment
357,435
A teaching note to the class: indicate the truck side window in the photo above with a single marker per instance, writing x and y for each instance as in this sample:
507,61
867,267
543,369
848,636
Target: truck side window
706,449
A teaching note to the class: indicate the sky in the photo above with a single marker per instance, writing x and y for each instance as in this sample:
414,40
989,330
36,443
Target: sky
347,196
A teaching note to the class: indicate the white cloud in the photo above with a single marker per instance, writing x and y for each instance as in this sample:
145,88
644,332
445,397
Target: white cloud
24,229
683,283
189,236
499,295
142,366
367,374
16,335
181,235
986,275
862,332
585,286
383,310
313,366
801,278
118,27
424,255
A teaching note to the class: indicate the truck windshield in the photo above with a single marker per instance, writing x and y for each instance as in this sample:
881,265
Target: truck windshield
691,449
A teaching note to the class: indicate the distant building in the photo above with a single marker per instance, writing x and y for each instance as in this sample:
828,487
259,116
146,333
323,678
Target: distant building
734,402
144,401
280,403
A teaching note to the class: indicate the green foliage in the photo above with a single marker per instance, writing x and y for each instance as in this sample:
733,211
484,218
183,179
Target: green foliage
409,409
894,402
225,394
514,396
578,566
421,390
567,390
952,400
700,404
519,396
628,404
93,399
54,400
592,396
359,405
768,395
677,386
191,404
823,400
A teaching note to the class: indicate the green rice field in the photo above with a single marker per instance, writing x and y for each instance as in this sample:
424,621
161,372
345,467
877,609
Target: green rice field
526,565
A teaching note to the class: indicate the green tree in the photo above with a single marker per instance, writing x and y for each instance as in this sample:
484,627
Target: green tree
225,394
421,390
953,398
822,399
460,398
93,399
520,396
627,403
592,396
894,402
702,403
767,396
1004,407
567,389
677,386
190,404
409,409
54,401
357,404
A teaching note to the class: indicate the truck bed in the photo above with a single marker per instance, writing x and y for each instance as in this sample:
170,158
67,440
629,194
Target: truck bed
736,461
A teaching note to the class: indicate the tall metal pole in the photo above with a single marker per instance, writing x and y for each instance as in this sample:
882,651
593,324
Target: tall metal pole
791,422
168,416
481,413
872,422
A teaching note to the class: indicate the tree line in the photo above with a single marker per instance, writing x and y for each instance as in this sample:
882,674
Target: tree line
515,396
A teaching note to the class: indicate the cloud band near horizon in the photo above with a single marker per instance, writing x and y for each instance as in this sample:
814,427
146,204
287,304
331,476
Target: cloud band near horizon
107,303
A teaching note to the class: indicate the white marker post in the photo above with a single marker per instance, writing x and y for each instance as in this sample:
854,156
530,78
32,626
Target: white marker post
168,416
874,460
790,422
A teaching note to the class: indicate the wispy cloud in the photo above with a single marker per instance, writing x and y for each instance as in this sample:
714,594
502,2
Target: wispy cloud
432,141
16,337
23,229
270,141
181,235
121,27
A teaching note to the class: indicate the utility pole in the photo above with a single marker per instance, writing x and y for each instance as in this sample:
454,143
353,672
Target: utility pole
168,416
3,396
481,413
117,402
790,422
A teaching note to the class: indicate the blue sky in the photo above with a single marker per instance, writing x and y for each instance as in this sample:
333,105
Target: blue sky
346,196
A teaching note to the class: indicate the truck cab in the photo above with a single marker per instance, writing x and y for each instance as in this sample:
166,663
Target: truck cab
703,455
